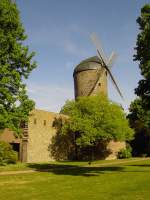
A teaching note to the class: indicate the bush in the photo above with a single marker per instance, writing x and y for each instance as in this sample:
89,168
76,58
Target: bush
7,154
125,153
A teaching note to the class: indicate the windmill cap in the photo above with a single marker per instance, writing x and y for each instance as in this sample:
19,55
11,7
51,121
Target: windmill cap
87,65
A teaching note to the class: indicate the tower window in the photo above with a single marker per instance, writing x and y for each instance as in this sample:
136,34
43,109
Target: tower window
99,84
44,122
35,121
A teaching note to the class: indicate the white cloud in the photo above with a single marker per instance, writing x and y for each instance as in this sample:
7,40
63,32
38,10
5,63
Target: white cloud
49,97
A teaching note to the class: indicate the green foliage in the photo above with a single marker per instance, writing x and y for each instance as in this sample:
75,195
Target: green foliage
141,142
125,153
95,118
140,108
15,66
7,155
143,42
139,111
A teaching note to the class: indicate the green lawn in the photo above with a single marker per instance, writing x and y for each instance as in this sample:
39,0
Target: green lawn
23,166
76,181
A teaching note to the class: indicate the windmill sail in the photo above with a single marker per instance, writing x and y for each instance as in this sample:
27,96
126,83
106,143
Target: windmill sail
112,59
106,63
98,46
112,78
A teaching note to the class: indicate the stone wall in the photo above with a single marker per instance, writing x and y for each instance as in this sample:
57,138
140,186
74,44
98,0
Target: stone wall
37,144
40,133
114,147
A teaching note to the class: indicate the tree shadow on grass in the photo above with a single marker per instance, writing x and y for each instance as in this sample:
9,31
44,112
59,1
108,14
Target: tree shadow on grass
140,165
74,170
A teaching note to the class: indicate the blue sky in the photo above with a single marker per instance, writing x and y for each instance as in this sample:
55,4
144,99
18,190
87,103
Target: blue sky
58,31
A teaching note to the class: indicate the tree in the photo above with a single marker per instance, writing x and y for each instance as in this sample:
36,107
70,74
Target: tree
7,154
93,119
140,108
15,65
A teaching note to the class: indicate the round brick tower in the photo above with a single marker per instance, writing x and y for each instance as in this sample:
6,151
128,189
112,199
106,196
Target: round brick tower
89,78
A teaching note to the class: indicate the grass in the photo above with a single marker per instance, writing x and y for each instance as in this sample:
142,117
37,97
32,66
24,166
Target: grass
76,180
23,166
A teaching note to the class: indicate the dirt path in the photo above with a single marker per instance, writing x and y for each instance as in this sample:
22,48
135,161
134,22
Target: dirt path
92,165
17,172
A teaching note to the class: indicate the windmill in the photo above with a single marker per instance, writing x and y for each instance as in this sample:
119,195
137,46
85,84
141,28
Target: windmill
90,76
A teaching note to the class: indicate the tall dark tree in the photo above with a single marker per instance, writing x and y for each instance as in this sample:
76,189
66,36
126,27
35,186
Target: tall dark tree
140,108
15,66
